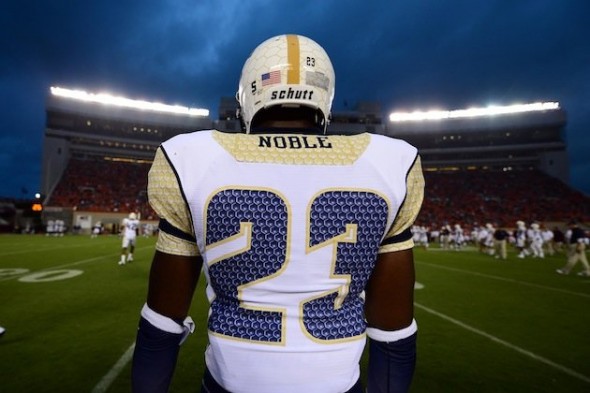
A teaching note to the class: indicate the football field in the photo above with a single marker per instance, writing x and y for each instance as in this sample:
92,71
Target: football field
485,325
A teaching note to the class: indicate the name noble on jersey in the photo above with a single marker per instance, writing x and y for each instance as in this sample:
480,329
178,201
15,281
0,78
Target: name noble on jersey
294,142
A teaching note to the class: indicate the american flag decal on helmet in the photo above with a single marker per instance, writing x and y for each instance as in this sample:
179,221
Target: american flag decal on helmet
271,78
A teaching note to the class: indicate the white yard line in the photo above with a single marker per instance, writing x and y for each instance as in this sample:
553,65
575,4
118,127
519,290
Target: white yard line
506,344
76,263
41,249
114,372
504,279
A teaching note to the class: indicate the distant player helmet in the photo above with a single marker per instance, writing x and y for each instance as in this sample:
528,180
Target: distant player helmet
286,71
132,216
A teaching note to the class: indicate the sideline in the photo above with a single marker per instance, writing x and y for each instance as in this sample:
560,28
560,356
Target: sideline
506,344
511,280
114,372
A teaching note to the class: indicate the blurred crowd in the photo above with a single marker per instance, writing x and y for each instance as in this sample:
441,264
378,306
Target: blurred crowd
103,185
467,197
472,197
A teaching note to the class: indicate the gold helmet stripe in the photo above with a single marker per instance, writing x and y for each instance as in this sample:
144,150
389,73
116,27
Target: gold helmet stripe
293,74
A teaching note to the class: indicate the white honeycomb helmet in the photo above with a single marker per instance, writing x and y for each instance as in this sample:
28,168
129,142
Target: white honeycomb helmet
132,216
287,71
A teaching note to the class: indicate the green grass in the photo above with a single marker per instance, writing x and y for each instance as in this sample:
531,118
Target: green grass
484,325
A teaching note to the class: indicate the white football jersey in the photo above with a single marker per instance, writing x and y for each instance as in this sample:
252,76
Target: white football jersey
130,228
289,228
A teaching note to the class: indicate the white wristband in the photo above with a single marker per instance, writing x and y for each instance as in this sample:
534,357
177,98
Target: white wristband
160,321
392,335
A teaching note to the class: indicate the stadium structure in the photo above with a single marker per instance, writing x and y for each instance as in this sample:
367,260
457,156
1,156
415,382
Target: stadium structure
97,151
479,163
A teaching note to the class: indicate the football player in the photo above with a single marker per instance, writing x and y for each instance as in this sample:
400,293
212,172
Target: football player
548,240
576,243
458,237
445,237
500,243
536,236
130,229
520,236
304,239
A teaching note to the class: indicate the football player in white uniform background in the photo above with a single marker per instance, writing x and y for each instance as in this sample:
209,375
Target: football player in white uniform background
536,239
420,236
520,236
129,229
458,237
304,239
445,237
548,236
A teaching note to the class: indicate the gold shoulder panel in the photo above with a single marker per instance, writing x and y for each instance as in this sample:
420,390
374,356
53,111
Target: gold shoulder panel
294,149
166,199
410,208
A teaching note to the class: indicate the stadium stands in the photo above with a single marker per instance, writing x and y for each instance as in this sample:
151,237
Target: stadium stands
455,197
500,197
97,156
103,186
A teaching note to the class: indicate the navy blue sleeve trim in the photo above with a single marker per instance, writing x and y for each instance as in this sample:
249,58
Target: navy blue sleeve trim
402,237
168,228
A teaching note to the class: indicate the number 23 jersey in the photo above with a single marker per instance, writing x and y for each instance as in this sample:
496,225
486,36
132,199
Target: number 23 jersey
289,228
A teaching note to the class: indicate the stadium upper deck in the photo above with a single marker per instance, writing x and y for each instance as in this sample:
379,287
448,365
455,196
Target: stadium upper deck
80,124
529,136
86,127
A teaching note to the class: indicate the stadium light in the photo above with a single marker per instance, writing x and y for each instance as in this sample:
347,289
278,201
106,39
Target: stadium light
472,112
107,99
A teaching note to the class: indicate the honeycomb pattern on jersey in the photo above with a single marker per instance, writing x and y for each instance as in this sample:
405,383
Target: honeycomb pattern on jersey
343,150
166,199
329,214
269,217
409,210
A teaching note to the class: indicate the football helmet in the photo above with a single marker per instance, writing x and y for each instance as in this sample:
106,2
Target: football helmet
286,71
132,216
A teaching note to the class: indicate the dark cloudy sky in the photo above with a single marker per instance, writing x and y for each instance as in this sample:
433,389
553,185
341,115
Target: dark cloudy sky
419,54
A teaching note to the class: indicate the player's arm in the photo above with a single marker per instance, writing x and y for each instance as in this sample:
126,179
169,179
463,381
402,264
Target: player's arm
173,277
389,299
164,324
392,330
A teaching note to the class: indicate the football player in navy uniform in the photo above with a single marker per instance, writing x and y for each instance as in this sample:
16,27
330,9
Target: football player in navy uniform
304,239
576,243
